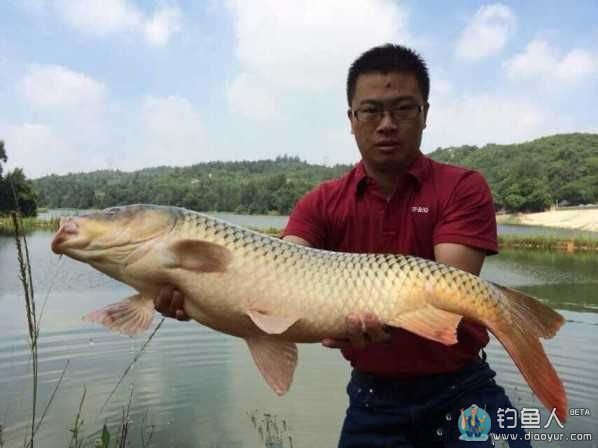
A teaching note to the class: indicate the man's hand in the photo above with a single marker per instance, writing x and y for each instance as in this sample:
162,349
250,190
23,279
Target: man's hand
361,331
170,303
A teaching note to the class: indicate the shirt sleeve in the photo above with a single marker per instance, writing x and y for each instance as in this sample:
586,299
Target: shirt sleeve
469,217
307,219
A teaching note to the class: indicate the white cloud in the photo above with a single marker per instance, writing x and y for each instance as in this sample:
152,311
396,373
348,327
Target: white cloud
172,134
56,87
577,64
246,97
479,118
100,17
105,17
541,61
486,33
39,150
162,131
162,25
484,118
308,45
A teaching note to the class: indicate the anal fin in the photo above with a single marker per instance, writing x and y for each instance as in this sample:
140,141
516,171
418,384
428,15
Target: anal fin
129,316
276,360
431,323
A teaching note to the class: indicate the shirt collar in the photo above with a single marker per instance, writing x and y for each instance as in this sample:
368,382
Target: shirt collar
418,171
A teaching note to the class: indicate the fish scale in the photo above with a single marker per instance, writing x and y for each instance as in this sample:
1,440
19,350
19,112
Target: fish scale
274,293
310,268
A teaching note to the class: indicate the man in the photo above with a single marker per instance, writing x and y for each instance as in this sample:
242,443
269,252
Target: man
405,391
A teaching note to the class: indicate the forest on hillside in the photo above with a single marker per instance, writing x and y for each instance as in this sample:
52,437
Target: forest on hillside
529,176
247,187
532,176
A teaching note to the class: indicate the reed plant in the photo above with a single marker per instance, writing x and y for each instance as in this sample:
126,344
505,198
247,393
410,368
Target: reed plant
31,311
33,328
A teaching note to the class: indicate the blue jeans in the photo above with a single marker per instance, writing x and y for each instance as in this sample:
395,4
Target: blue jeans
423,411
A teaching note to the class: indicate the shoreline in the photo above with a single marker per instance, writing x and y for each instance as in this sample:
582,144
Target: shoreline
581,219
514,241
576,219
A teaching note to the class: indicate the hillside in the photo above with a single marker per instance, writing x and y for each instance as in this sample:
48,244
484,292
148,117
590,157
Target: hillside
534,175
266,186
529,176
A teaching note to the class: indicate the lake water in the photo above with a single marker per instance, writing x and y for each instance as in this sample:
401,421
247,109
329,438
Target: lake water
196,388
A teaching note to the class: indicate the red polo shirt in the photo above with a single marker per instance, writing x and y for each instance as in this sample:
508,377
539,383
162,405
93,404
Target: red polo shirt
433,203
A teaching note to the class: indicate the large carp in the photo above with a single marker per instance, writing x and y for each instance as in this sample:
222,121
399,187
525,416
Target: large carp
274,293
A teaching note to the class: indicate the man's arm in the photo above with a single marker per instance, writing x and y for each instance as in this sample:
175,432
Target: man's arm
459,256
296,240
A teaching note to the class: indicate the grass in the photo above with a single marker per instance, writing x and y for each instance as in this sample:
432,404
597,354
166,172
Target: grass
28,224
76,442
273,430
548,243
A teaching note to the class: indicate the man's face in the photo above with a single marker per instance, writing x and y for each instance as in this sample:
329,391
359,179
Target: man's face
388,145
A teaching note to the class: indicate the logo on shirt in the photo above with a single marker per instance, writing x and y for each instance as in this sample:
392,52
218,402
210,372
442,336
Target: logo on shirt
474,424
415,209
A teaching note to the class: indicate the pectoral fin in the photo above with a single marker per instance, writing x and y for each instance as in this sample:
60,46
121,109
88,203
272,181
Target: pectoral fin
431,323
200,256
129,316
275,359
269,323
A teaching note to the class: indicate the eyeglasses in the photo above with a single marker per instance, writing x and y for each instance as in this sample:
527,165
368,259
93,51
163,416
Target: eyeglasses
371,113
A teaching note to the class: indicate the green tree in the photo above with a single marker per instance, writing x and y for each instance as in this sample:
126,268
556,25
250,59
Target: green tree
3,157
23,188
15,184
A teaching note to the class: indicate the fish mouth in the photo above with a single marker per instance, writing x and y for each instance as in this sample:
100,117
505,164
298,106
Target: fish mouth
67,231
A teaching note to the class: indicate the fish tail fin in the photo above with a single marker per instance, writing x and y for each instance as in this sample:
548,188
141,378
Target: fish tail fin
531,320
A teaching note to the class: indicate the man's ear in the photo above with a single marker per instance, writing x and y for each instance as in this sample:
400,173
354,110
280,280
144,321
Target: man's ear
350,117
426,108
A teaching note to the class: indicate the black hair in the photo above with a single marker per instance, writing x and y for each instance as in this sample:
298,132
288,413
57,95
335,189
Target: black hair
389,58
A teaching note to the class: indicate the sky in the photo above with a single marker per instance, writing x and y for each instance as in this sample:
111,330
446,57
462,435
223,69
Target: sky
129,84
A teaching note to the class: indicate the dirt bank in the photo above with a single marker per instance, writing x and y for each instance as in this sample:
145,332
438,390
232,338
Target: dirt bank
568,219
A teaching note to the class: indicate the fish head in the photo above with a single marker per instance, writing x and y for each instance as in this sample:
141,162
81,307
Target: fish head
109,238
